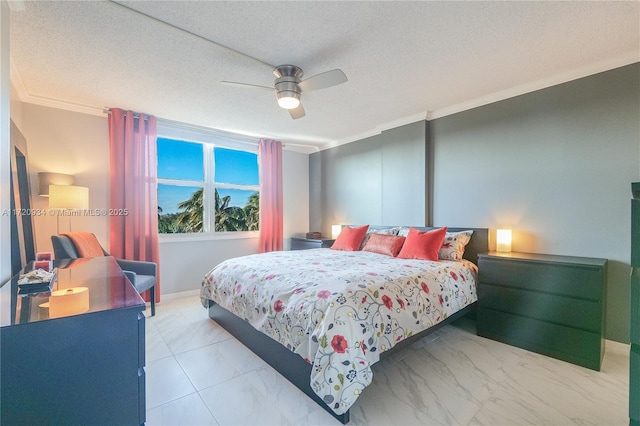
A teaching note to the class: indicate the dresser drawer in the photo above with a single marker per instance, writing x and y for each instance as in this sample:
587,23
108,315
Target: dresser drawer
142,392
562,279
578,313
141,339
634,390
307,243
635,233
565,343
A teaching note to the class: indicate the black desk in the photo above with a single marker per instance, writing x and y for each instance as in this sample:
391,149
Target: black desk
81,368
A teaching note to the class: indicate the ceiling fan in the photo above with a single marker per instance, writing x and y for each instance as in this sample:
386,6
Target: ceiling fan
289,85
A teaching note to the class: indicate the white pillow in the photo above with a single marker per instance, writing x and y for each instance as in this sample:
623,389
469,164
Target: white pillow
453,245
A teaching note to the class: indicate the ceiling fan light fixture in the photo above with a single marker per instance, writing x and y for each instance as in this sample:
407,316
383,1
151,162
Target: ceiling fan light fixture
289,100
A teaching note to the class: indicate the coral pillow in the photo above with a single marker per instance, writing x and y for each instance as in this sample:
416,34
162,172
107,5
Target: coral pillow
384,244
350,238
386,231
423,245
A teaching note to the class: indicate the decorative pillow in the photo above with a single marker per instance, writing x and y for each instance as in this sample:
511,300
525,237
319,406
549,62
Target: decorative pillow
384,244
403,231
422,245
350,238
454,244
386,231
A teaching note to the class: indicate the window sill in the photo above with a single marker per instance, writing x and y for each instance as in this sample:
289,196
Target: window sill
221,236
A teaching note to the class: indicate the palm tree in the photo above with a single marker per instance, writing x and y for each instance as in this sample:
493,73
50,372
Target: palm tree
228,218
252,212
190,220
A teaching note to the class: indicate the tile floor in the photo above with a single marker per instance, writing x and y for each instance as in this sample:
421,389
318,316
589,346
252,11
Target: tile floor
198,374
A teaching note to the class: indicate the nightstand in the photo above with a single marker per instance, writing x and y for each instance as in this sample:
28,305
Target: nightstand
310,243
553,305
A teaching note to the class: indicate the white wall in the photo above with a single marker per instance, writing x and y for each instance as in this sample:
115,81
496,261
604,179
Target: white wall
72,143
78,144
295,174
5,173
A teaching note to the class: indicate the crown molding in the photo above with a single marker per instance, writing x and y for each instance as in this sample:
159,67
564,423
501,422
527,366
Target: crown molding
23,94
575,74
16,80
377,130
16,5
602,66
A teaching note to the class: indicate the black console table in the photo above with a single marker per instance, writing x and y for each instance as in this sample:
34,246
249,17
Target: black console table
79,367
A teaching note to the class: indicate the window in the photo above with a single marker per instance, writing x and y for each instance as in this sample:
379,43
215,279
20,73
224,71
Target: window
204,188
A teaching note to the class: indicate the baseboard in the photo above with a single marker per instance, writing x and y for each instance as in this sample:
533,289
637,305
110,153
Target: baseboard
612,344
179,295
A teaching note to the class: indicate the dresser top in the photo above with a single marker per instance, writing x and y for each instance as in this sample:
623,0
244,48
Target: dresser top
101,278
547,258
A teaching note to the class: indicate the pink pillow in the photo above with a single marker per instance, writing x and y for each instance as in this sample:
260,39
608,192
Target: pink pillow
422,245
350,238
384,244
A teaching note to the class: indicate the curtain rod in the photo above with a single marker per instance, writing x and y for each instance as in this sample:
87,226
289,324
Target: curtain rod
135,114
216,132
195,127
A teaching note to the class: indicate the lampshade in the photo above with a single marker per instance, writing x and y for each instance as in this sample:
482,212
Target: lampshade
45,179
68,197
335,231
70,301
503,240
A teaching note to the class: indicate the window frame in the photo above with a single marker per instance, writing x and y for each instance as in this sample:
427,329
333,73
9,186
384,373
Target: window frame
209,139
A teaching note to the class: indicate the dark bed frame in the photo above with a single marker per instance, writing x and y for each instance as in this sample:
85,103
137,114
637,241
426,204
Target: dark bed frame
296,369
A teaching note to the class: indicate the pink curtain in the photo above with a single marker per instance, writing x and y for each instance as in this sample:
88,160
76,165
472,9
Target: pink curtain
270,154
134,198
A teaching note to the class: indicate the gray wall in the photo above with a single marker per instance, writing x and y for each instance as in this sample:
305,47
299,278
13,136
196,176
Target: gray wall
378,180
554,165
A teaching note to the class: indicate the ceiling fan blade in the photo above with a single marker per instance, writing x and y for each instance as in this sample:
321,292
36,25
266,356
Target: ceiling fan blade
297,112
245,85
323,80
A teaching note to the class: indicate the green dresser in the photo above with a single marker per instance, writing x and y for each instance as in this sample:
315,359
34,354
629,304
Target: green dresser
634,367
553,305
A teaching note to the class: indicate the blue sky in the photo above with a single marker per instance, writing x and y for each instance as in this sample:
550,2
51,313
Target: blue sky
184,161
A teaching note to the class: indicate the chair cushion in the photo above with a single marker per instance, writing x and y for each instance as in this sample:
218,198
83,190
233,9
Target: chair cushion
63,247
86,244
144,282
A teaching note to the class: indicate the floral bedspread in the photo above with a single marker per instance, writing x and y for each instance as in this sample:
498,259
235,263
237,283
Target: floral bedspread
340,310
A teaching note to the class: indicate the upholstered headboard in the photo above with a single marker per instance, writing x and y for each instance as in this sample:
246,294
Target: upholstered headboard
479,240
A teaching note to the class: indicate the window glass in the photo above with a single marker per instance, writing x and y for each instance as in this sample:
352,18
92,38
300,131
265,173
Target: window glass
237,210
237,167
180,160
204,188
180,209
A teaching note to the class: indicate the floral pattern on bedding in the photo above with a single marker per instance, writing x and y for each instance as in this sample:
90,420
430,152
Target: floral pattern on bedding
340,310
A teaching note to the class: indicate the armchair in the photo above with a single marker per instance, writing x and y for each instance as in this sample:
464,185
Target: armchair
141,274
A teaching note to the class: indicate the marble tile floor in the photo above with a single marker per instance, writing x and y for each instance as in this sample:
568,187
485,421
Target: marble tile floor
198,374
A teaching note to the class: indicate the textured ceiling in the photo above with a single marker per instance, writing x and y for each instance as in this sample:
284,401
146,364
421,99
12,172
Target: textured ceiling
405,61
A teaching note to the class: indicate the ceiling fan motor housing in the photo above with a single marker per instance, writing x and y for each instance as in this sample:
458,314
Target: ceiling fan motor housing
286,82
